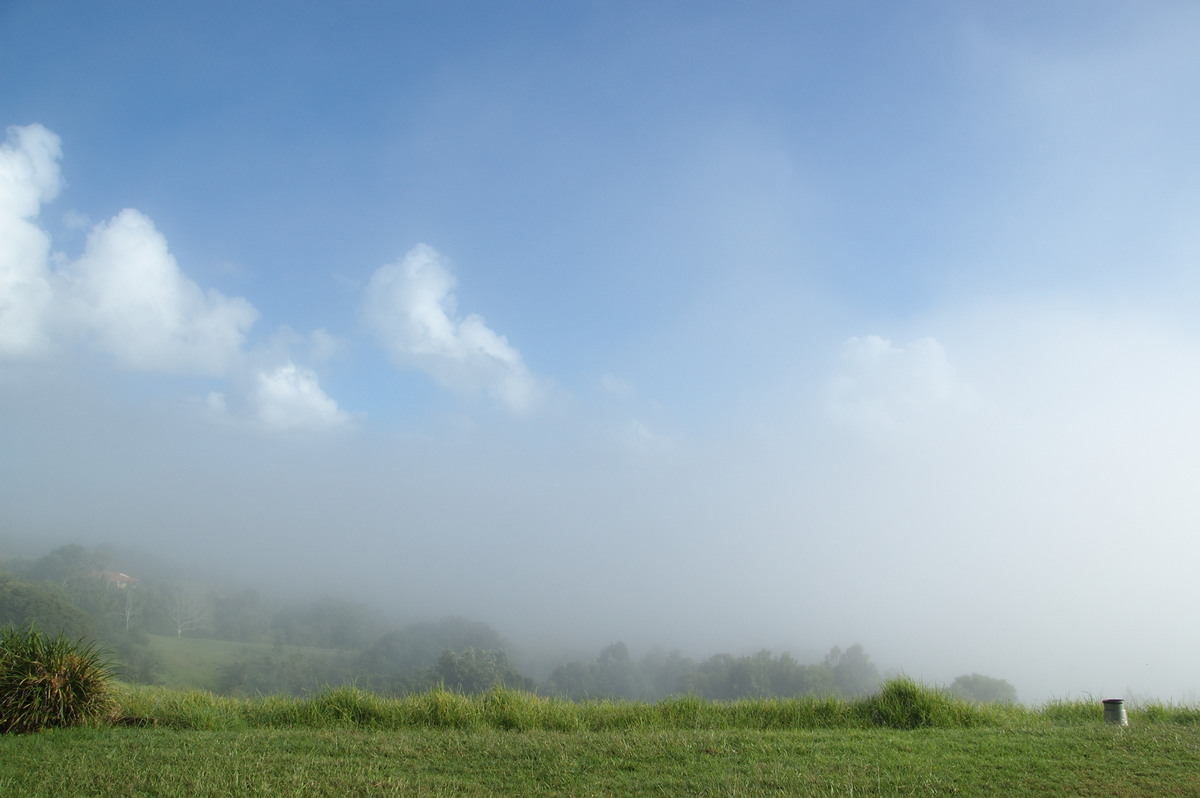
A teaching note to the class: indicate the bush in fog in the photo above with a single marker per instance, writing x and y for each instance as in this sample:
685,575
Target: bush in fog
23,603
50,681
984,689
474,670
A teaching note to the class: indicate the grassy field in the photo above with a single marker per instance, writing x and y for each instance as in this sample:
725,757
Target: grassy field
188,662
1160,760
907,740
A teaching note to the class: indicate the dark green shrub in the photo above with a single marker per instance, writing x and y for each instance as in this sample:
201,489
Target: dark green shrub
25,603
50,681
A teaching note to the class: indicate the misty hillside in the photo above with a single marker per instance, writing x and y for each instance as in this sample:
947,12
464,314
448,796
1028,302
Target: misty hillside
185,633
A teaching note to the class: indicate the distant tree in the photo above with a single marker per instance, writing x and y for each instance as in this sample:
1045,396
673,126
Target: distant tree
761,675
474,670
853,672
99,600
399,661
458,633
716,678
188,613
64,564
574,680
982,689
749,677
130,607
663,674
156,599
78,573
328,622
23,603
787,677
615,675
818,680
389,655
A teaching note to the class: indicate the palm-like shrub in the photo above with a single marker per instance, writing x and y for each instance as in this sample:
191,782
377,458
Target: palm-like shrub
50,681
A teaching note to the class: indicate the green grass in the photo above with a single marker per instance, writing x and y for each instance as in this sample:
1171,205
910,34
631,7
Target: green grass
195,663
905,740
900,704
1159,760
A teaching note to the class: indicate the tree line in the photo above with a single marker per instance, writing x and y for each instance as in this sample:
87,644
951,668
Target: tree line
307,646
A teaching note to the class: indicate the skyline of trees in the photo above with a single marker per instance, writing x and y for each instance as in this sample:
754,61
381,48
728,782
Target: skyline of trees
329,640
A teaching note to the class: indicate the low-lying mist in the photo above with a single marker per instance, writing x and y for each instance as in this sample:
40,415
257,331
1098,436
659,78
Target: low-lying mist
1037,553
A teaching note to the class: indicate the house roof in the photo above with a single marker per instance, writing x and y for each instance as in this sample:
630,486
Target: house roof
118,578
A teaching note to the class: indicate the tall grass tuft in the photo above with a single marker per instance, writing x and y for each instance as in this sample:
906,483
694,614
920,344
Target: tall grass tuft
441,708
506,708
349,706
1166,713
803,712
903,703
49,682
184,709
681,712
900,704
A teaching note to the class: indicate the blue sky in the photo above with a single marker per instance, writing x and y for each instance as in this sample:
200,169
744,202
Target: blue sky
804,323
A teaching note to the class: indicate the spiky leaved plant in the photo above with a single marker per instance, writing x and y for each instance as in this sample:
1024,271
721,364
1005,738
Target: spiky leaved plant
50,681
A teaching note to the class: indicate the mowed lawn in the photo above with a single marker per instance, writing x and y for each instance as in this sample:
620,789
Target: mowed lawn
1161,759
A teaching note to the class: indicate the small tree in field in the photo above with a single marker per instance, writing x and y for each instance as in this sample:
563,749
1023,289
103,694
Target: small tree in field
130,608
187,614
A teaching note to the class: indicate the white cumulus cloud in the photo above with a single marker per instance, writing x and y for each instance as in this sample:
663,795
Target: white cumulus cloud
290,398
128,294
29,177
125,293
410,305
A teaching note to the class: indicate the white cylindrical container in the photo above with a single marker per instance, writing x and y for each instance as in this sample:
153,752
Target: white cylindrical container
1114,712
